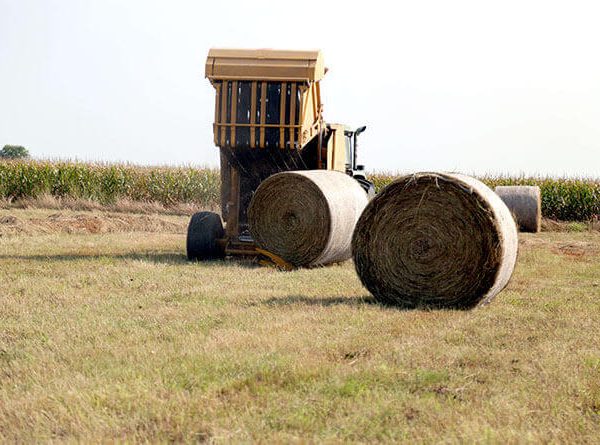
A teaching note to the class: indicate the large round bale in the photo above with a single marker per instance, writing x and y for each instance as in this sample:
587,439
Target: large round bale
306,217
435,240
525,204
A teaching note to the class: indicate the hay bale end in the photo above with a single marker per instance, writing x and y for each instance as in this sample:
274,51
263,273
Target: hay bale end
435,240
525,204
306,217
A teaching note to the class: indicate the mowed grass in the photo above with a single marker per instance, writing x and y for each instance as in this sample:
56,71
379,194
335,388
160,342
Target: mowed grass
116,337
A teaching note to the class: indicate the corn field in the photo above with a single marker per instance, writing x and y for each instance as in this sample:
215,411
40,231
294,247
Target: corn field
107,183
564,199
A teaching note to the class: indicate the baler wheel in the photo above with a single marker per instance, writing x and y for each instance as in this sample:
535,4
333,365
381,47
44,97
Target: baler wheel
204,230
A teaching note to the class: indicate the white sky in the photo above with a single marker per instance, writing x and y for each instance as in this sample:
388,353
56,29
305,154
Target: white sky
472,86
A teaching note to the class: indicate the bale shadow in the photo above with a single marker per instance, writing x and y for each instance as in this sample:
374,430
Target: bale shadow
321,301
356,301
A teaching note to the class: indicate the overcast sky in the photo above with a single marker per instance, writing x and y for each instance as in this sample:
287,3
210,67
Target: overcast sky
471,86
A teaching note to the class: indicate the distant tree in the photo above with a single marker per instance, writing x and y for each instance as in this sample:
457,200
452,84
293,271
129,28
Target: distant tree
14,152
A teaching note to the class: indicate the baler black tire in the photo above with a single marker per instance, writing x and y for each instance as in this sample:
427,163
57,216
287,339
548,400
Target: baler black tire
204,230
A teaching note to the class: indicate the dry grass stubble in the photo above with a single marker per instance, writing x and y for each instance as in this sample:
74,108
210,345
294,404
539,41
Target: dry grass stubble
115,336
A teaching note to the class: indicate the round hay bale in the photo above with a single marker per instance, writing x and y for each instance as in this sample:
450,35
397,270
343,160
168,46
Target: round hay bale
306,217
435,240
525,204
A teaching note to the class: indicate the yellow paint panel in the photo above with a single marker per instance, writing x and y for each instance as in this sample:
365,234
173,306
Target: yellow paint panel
265,64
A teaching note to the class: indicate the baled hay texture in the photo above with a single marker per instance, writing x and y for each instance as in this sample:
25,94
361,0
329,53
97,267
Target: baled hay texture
306,217
525,204
435,240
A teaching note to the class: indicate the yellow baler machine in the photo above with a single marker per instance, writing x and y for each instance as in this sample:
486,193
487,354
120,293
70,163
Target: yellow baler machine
268,119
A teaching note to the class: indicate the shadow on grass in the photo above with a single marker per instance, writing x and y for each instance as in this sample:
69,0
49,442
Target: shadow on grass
158,258
365,300
321,301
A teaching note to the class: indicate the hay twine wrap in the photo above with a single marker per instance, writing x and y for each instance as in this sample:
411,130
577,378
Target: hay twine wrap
435,240
306,217
525,204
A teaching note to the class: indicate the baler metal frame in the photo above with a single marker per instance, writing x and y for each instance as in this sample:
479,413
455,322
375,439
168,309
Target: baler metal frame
268,118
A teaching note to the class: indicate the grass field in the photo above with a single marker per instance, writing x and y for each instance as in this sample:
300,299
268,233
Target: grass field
108,333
